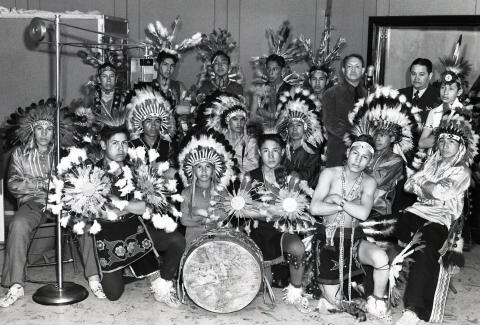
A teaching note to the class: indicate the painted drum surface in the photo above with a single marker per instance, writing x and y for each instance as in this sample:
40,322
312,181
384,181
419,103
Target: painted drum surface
222,271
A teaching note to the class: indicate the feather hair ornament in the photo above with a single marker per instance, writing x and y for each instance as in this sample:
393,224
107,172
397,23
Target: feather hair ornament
159,39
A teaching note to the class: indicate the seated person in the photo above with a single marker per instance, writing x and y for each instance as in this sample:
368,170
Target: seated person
28,178
343,197
202,162
440,186
29,173
273,243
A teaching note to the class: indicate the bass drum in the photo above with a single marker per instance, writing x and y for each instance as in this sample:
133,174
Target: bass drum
222,271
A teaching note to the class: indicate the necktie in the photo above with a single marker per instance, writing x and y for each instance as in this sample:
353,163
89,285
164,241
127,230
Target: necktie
415,98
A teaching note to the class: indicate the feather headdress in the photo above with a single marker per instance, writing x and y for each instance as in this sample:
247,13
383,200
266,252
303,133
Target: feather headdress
299,105
104,57
455,64
323,57
384,110
148,103
20,125
218,108
211,147
459,128
160,39
280,43
218,40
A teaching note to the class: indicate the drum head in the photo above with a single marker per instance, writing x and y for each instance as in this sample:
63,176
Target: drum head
222,276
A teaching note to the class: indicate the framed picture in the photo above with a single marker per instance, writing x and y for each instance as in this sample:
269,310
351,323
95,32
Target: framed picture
394,42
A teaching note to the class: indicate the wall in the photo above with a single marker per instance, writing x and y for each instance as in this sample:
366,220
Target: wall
248,19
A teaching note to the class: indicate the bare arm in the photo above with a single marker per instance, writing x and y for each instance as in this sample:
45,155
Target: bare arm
321,206
362,209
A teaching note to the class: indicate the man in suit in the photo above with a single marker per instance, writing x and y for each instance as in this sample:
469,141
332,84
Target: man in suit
338,102
421,93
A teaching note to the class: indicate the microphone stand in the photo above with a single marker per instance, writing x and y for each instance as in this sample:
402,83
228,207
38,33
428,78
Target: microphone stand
60,293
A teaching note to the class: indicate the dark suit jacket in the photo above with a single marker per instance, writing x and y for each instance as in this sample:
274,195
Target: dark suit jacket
430,99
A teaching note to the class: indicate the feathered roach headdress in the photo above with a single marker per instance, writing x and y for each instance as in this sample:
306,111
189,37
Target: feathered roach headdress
323,57
216,42
148,103
160,39
299,105
384,110
459,128
20,125
217,110
211,147
279,42
455,67
104,57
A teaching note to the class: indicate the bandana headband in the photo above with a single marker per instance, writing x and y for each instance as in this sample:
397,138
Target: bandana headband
363,144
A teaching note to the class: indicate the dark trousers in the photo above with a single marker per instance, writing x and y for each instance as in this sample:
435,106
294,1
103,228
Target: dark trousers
170,246
423,277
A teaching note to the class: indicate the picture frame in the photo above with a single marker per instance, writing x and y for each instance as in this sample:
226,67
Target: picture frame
394,42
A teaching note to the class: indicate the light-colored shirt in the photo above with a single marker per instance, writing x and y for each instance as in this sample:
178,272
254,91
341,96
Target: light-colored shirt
246,152
435,115
442,204
29,173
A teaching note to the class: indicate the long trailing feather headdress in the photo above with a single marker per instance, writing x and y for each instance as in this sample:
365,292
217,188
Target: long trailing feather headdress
386,110
160,39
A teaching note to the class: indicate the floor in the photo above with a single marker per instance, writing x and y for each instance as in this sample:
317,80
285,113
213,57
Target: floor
137,306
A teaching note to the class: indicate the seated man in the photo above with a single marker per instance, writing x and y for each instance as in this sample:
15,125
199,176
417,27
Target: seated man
343,196
440,186
28,181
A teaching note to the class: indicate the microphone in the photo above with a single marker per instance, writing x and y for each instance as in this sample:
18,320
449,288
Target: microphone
370,77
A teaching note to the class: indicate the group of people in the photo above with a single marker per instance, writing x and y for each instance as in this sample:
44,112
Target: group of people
350,144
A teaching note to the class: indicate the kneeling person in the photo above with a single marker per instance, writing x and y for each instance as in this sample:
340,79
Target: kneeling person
344,196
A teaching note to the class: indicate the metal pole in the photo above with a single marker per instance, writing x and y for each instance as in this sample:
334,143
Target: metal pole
61,293
57,94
